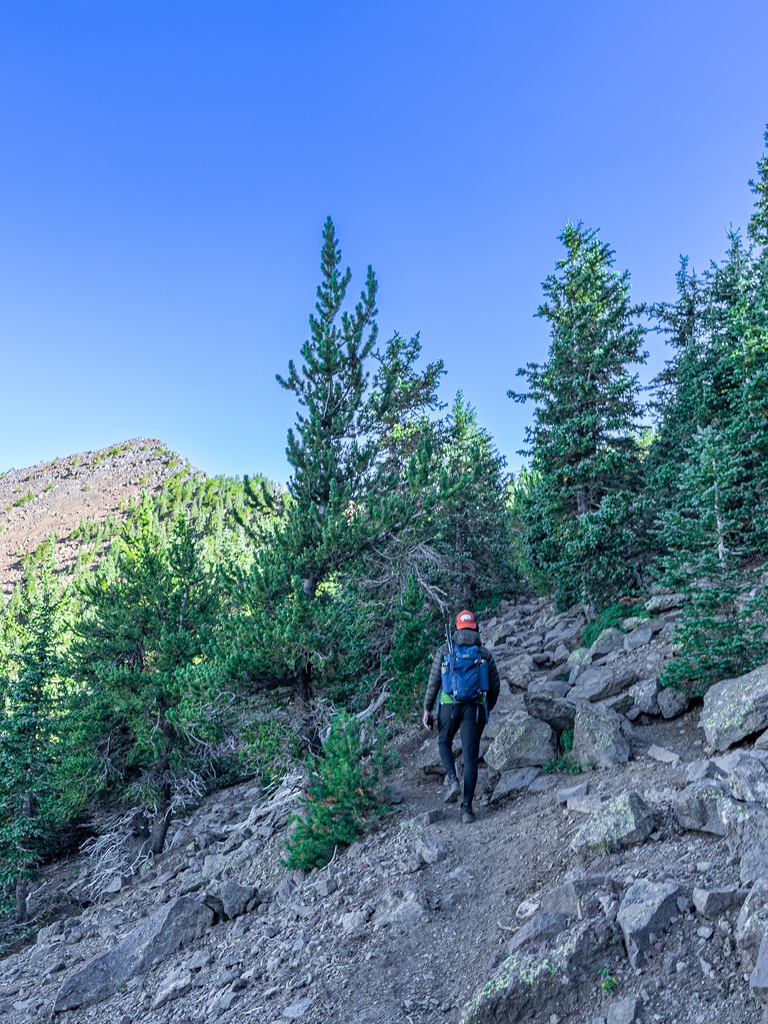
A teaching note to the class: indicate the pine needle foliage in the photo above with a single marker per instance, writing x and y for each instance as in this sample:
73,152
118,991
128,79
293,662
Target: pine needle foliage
579,518
33,680
342,800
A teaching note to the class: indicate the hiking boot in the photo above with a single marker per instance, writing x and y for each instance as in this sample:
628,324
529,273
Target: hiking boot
454,792
467,815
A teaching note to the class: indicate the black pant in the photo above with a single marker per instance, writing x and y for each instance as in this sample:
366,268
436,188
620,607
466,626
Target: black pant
471,719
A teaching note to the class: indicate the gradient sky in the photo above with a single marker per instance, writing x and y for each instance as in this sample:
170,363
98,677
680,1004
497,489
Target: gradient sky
167,167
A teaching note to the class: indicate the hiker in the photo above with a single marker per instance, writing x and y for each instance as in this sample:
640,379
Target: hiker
468,692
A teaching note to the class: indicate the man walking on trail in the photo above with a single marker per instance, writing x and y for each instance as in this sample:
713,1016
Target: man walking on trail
462,709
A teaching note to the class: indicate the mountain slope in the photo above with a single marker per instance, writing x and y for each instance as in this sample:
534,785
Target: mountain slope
52,497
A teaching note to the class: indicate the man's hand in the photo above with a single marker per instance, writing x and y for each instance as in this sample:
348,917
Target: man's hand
428,720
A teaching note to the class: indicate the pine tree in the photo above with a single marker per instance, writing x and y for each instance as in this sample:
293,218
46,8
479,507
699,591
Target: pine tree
412,643
584,441
348,495
722,630
758,224
34,678
144,728
713,521
472,522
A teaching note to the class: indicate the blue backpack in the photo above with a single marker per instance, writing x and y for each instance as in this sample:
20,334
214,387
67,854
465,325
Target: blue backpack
465,674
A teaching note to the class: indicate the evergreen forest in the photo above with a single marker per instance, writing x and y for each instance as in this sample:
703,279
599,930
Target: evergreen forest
229,629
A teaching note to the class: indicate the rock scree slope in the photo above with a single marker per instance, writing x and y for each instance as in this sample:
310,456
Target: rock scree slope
633,890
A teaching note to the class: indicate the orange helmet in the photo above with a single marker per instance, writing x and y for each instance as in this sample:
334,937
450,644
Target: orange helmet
465,620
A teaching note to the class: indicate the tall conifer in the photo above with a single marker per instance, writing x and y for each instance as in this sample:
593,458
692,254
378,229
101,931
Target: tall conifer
584,440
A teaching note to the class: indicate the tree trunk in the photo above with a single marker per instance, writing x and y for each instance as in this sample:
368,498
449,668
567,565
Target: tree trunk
306,704
22,891
162,820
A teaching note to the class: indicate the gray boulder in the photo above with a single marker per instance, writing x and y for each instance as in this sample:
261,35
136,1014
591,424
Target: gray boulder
577,661
428,759
600,681
703,806
747,838
736,708
556,980
638,638
664,602
513,782
172,927
565,631
696,771
598,738
570,898
647,908
620,823
752,922
557,712
625,1011
517,670
176,984
610,639
522,742
672,702
234,897
748,778
401,909
758,979
645,695
543,926
713,903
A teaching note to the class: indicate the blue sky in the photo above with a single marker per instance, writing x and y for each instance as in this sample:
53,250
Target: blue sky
167,167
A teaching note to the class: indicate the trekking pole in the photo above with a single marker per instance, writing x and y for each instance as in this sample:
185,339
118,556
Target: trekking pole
451,660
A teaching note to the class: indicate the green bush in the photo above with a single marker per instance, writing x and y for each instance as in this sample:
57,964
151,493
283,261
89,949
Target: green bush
612,616
269,750
341,803
564,764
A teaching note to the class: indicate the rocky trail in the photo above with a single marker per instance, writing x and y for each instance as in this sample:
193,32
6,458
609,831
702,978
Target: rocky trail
634,891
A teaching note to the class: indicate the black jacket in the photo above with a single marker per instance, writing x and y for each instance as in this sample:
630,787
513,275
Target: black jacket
462,638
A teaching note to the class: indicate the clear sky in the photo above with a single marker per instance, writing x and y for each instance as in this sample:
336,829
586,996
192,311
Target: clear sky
167,166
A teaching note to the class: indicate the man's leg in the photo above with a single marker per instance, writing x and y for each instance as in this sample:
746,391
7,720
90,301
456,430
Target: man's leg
448,721
472,724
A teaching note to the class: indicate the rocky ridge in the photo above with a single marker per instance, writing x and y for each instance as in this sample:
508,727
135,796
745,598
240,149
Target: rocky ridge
52,497
637,890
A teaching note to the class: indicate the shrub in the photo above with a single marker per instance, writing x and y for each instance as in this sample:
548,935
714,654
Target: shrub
341,803
269,750
564,764
611,616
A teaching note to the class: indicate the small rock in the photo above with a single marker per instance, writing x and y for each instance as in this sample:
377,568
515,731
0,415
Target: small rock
697,771
663,755
431,852
625,1011
178,983
527,909
566,793
664,602
430,817
299,1008
638,638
